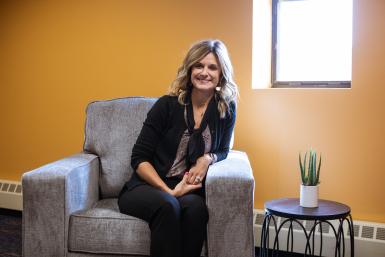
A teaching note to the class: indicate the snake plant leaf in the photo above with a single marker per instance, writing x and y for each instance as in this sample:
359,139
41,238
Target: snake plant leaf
319,168
309,168
301,167
314,170
304,170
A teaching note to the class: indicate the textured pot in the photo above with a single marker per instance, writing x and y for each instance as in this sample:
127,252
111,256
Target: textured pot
309,196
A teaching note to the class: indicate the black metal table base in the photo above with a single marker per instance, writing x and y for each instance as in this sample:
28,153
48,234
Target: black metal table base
310,236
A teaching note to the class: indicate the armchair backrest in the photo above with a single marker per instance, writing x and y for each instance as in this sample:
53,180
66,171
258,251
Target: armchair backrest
111,130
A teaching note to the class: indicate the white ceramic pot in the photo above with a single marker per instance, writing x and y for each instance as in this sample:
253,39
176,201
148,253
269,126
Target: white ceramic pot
309,196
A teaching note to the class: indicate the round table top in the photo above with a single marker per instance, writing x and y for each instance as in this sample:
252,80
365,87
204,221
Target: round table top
290,208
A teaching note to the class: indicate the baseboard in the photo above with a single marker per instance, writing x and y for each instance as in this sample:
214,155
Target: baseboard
280,253
8,212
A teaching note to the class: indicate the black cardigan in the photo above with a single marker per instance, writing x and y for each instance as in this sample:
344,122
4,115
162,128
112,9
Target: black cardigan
162,130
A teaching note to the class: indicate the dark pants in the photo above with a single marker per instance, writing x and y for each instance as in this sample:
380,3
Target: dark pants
178,225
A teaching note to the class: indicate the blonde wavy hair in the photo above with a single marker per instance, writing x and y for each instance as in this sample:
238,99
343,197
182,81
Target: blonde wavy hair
182,85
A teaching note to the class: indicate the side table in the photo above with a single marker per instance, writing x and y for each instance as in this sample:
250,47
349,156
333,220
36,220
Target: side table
290,211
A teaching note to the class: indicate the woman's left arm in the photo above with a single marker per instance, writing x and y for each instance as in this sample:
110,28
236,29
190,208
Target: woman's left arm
224,145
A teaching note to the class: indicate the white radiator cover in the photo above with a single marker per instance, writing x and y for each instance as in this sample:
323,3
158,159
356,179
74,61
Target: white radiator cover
11,195
369,237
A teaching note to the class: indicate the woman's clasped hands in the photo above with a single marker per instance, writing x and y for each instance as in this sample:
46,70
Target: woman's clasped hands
192,179
184,187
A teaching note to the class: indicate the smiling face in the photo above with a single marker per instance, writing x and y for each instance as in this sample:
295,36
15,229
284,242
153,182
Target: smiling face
205,74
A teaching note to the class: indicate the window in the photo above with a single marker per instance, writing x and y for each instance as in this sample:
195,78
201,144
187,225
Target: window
302,43
312,43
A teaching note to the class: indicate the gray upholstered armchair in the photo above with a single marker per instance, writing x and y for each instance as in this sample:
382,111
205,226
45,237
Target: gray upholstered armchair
70,206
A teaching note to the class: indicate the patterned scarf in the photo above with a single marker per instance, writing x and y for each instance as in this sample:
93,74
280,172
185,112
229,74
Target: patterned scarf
196,143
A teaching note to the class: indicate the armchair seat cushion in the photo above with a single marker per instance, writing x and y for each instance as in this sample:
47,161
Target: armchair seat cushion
103,229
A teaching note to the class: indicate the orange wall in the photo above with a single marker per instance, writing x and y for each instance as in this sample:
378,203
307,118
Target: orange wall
55,57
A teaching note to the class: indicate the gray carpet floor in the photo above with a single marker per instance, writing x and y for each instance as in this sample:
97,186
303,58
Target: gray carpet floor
10,233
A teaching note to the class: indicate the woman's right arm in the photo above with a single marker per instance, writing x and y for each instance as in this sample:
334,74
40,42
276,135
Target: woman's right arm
147,172
151,133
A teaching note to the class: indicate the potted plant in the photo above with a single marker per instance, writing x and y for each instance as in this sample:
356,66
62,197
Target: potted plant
310,179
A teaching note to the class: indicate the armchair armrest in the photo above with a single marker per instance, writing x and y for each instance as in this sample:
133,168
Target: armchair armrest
50,194
230,201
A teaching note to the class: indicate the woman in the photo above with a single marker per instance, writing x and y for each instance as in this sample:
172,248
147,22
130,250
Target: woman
184,133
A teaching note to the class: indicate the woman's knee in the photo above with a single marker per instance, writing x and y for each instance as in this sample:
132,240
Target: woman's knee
194,206
168,212
170,205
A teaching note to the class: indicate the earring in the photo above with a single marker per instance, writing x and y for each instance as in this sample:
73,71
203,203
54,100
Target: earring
217,89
